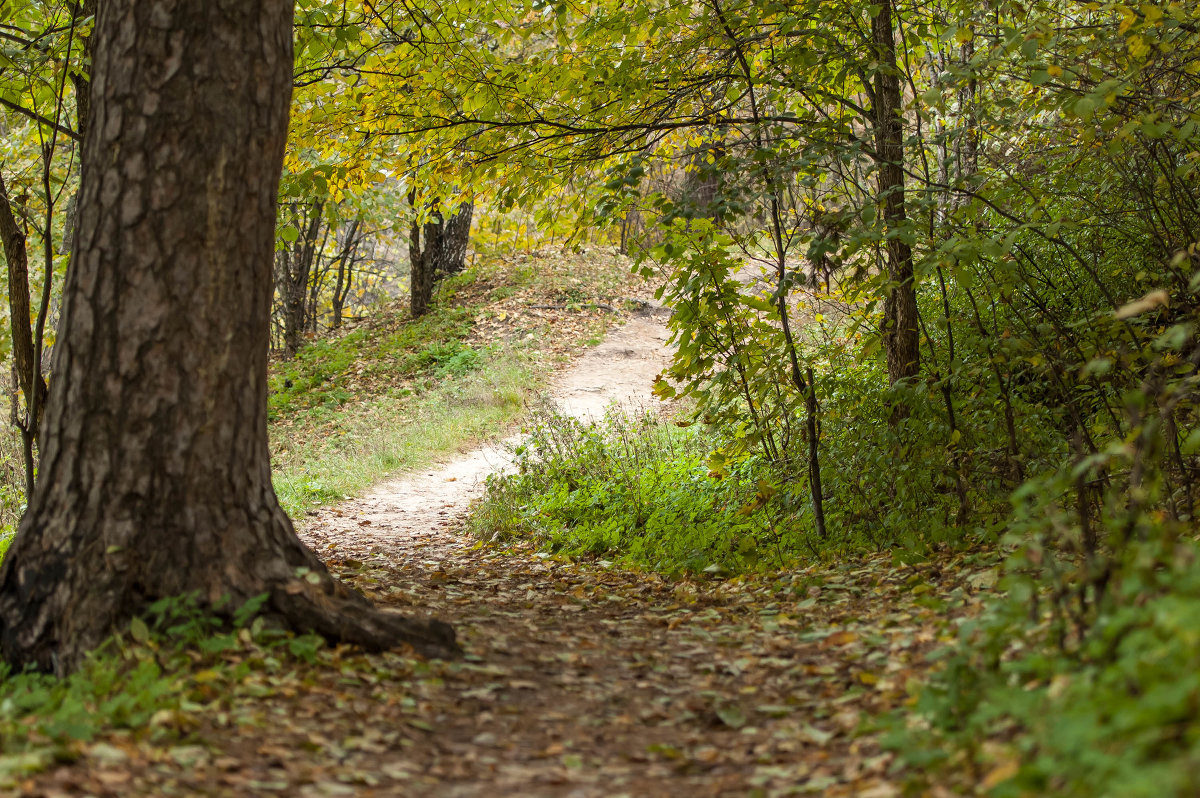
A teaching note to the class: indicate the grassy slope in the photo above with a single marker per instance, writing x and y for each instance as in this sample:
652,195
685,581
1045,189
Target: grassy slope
393,394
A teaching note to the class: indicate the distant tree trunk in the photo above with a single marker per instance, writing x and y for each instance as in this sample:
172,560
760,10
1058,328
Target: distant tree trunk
446,241
901,325
297,268
156,480
316,282
700,193
345,273
25,362
79,79
442,252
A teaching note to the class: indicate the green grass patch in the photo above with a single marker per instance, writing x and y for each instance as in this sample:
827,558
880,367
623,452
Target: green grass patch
331,456
638,489
332,372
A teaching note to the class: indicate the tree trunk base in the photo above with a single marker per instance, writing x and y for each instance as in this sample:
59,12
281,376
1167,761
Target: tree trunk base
350,618
58,602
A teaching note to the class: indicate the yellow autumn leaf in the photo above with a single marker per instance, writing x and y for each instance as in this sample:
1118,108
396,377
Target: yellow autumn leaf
999,774
1127,19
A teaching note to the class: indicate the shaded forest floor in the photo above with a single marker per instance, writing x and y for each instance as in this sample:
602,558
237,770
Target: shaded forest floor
580,678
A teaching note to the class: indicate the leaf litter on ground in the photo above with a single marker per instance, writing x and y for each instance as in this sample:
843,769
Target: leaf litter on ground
579,680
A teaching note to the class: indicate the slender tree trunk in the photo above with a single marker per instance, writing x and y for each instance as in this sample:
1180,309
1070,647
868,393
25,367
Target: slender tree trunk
814,457
156,478
901,326
420,276
295,308
16,256
345,273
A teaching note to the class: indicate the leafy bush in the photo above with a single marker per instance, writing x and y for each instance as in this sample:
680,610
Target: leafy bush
1083,678
639,489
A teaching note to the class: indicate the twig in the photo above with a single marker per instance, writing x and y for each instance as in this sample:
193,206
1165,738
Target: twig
597,305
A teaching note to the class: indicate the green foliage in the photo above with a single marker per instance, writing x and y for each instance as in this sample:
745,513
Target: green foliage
1080,679
640,490
1042,706
175,662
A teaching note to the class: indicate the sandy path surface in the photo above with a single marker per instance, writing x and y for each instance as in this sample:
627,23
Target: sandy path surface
408,518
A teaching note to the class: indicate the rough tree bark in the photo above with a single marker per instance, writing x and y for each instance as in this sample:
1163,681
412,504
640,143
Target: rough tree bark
901,325
444,253
155,473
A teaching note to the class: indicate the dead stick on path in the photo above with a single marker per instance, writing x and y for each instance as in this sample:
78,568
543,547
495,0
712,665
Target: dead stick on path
596,305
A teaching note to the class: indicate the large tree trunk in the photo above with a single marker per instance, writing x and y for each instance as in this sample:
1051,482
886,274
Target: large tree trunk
901,325
444,252
155,478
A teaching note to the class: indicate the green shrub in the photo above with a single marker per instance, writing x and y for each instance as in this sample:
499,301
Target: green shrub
1082,678
642,490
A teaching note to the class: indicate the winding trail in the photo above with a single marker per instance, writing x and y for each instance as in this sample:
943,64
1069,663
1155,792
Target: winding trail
580,679
587,680
414,518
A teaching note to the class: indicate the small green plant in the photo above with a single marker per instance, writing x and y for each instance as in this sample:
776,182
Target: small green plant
144,681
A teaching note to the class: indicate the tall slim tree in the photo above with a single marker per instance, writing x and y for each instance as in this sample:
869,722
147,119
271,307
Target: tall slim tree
155,478
901,323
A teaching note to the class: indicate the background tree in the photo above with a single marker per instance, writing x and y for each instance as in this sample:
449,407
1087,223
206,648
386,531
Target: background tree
156,479
436,248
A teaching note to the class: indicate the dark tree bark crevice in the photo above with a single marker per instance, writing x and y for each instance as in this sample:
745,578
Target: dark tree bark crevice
155,475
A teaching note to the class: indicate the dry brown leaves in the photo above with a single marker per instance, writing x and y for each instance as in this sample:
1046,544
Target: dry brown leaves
581,679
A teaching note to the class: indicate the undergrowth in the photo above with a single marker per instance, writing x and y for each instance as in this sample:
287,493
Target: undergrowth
1082,677
153,681
637,488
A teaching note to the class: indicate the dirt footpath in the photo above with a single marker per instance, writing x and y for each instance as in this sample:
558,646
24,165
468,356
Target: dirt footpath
411,518
579,679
